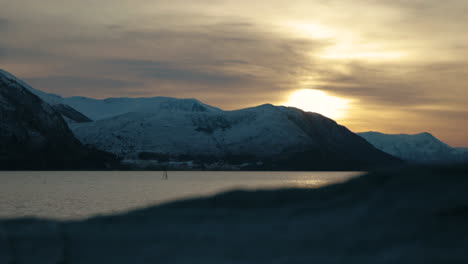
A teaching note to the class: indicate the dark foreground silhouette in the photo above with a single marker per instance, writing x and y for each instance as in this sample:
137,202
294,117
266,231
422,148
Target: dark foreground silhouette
410,215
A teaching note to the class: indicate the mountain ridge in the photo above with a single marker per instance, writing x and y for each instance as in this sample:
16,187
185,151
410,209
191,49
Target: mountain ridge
270,134
421,147
33,135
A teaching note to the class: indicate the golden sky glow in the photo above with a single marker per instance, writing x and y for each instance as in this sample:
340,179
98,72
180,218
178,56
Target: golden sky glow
401,66
320,102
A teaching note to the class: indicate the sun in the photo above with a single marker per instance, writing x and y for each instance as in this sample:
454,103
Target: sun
320,102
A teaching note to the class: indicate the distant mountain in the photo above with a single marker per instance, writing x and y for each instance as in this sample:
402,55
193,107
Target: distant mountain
422,148
185,133
111,107
33,134
95,109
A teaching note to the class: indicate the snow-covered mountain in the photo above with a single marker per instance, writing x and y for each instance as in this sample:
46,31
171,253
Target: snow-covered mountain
423,147
33,135
165,131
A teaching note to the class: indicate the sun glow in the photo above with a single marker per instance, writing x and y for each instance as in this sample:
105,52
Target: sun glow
310,30
319,102
344,44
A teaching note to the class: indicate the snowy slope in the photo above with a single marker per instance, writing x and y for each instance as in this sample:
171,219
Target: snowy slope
258,133
422,147
186,132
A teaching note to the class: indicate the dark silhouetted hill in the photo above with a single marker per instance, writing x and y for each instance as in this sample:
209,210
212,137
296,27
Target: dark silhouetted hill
33,135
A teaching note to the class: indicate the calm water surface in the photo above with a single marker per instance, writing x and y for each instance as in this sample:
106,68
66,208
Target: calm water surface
76,195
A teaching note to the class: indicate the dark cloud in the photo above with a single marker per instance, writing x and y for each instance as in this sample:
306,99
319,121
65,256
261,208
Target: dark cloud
64,84
202,59
212,59
9,52
167,71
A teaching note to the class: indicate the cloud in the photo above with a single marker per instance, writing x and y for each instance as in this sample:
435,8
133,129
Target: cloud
19,54
60,84
167,71
203,61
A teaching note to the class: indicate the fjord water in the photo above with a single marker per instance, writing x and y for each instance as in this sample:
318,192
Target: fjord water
82,194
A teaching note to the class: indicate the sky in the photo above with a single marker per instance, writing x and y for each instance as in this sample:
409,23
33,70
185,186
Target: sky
397,66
